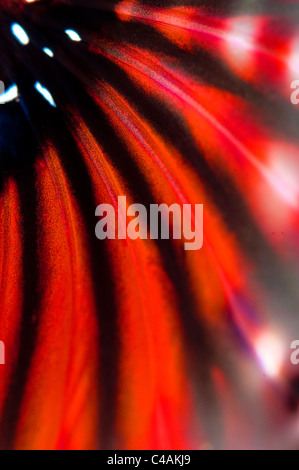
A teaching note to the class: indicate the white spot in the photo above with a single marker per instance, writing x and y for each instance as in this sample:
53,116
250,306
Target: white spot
9,95
20,34
73,35
45,93
239,41
2,353
293,59
48,51
270,352
283,165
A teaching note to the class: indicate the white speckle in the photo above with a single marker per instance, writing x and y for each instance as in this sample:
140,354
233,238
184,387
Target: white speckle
45,93
9,95
48,51
73,35
20,34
